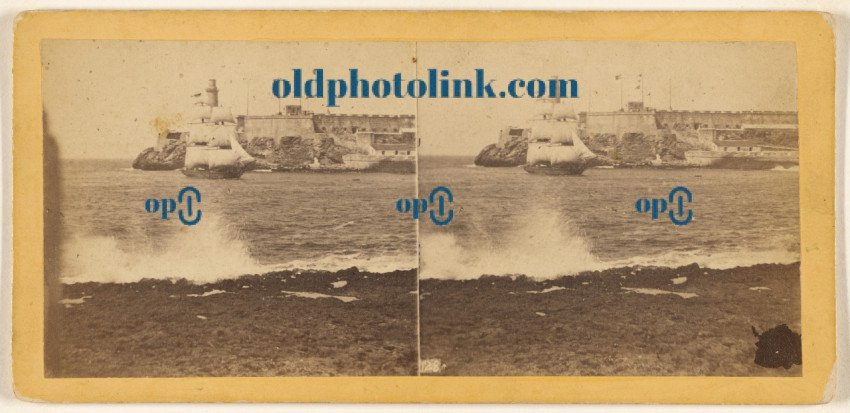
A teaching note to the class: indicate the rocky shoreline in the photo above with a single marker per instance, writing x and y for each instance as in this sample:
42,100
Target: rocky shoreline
627,321
288,153
284,323
624,321
629,150
293,154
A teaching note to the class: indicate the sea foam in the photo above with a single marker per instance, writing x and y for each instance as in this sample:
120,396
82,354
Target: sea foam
544,244
539,244
201,254
205,253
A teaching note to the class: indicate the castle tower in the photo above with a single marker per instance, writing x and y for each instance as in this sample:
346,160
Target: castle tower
212,94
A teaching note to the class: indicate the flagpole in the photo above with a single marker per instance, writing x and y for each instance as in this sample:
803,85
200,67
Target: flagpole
621,94
641,90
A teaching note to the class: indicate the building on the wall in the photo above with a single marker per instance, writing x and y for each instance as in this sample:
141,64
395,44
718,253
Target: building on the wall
769,126
382,147
708,135
743,154
387,143
736,146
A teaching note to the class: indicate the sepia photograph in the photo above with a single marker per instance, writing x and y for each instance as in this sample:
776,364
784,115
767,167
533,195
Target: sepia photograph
647,225
550,208
352,206
198,225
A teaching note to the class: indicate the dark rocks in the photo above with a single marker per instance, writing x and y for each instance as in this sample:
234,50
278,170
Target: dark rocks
778,347
513,154
630,149
290,151
172,156
293,151
638,149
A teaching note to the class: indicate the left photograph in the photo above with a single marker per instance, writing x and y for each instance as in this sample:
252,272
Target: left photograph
200,220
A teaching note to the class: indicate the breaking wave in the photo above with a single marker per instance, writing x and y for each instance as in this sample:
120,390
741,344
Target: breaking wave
545,245
201,254
205,253
540,245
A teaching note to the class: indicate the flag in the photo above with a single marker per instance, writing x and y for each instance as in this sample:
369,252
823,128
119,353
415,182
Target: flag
196,95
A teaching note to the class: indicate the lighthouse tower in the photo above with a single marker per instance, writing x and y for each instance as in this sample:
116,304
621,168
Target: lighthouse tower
212,94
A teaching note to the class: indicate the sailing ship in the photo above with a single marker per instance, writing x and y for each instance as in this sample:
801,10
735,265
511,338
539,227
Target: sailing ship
554,147
212,150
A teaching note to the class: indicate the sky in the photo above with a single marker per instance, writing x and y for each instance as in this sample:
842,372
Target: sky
105,99
699,76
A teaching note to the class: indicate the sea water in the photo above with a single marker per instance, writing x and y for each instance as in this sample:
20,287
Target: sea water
508,221
259,223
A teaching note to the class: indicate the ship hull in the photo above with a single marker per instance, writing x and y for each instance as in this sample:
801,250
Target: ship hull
218,173
573,168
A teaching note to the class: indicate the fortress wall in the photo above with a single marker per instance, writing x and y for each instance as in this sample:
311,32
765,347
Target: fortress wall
354,123
276,127
770,118
618,123
336,123
722,119
697,119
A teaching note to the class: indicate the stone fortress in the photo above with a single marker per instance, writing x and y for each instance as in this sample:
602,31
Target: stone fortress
637,118
294,121
295,137
638,135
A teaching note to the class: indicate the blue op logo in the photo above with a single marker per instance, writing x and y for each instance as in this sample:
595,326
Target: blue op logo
189,213
440,201
677,202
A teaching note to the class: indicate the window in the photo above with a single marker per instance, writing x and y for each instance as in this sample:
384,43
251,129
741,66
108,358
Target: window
396,152
383,152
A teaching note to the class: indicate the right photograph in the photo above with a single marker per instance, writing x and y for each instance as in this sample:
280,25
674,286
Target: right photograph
646,224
